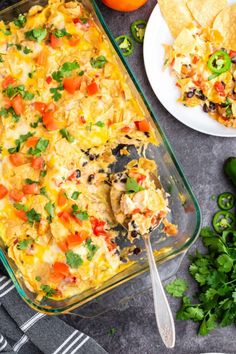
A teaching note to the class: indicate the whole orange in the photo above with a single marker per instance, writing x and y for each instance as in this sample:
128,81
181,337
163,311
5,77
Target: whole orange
124,5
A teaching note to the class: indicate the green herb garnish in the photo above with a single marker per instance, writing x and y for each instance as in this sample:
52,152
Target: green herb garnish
75,195
61,33
98,62
73,259
65,134
48,290
23,245
20,21
92,249
177,288
50,209
36,34
132,186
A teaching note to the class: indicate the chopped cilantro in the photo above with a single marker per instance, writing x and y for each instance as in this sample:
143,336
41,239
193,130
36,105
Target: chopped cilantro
23,245
81,73
91,248
20,21
22,138
6,32
38,278
36,34
56,95
11,92
73,259
65,134
100,124
30,181
75,195
98,62
50,209
3,112
1,59
40,147
48,290
65,70
33,216
132,186
20,206
27,50
61,33
84,20
35,124
43,173
43,191
79,214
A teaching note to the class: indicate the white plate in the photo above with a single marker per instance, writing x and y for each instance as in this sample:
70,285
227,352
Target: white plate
163,84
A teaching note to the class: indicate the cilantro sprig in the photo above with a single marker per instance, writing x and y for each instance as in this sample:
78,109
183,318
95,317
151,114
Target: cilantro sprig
78,213
36,34
132,186
24,244
215,273
98,62
65,134
40,147
22,138
73,259
92,249
20,21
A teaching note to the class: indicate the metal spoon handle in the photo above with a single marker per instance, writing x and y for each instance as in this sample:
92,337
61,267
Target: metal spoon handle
164,318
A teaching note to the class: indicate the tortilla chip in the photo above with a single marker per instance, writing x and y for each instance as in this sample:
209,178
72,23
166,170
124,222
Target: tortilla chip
185,42
205,11
176,15
225,23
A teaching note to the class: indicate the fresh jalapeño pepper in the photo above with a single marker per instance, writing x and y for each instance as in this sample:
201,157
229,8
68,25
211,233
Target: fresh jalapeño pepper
219,62
226,201
126,45
138,30
223,220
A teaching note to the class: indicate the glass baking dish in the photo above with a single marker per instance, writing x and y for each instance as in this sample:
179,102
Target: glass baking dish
185,211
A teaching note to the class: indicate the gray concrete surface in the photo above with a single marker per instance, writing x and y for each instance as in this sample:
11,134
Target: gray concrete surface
201,157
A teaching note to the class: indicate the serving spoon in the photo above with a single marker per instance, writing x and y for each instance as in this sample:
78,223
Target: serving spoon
164,318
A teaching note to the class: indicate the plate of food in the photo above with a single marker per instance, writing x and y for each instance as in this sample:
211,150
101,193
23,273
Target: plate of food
190,60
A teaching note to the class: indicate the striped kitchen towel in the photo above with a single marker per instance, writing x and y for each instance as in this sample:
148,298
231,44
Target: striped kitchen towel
25,331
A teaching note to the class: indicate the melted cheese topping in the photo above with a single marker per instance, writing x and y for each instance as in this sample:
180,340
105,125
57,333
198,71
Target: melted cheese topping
56,143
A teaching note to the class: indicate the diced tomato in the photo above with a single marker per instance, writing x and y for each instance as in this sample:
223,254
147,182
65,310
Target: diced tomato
136,211
56,277
232,54
76,239
82,119
55,42
17,195
17,159
21,214
63,245
61,268
3,191
32,141
64,216
31,188
195,59
76,20
18,104
8,80
141,178
110,122
98,226
92,89
48,80
147,213
40,106
6,102
38,163
73,41
71,84
61,199
125,129
49,120
143,125
220,88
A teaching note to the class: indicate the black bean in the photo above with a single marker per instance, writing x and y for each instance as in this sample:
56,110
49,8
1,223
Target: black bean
92,157
78,173
84,163
90,178
108,182
134,225
199,94
205,108
136,251
123,180
134,233
101,170
147,134
212,106
127,136
190,94
233,60
223,83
